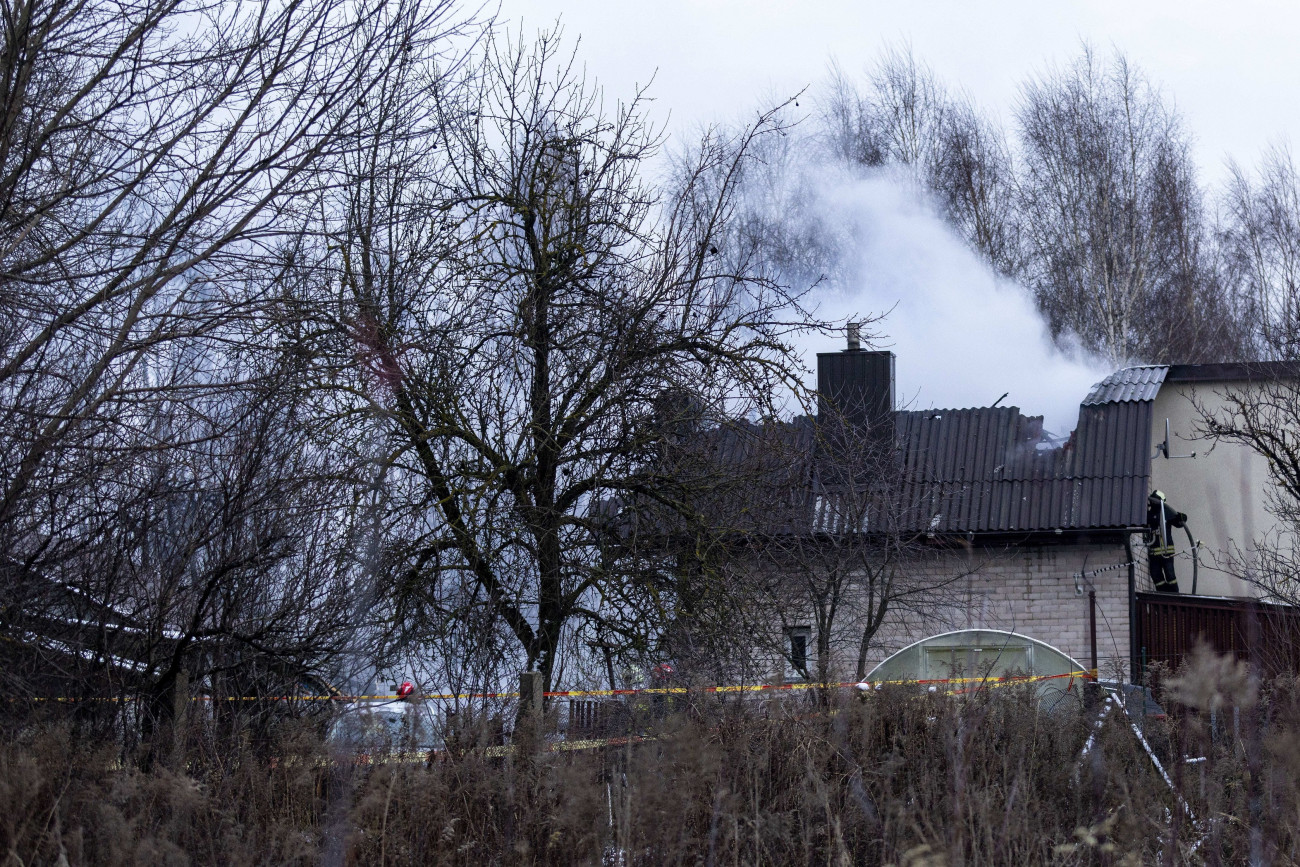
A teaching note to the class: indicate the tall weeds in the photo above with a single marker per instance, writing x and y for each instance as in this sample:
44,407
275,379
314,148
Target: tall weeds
901,777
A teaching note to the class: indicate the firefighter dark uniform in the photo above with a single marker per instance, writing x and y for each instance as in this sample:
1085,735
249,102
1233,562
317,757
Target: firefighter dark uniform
1161,519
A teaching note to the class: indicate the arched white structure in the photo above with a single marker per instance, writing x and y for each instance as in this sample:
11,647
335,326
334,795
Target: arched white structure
980,653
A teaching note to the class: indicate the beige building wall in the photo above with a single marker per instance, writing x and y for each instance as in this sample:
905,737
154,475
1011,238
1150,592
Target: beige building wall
1030,590
1222,490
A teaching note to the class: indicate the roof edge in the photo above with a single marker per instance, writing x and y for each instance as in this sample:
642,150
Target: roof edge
1234,371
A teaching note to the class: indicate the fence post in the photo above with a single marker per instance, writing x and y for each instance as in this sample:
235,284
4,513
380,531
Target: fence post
528,722
774,698
1093,687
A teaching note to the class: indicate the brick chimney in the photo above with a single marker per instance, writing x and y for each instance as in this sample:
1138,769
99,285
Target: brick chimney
857,385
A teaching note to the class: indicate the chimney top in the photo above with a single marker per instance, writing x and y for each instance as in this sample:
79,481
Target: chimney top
855,337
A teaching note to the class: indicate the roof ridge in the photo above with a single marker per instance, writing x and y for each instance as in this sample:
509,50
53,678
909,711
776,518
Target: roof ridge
938,409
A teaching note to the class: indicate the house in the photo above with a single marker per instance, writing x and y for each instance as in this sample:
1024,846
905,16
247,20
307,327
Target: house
1034,535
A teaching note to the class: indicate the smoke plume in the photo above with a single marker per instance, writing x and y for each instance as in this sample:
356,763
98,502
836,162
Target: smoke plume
962,335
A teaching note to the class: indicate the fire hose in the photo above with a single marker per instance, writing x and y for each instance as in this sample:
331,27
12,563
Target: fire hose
1195,554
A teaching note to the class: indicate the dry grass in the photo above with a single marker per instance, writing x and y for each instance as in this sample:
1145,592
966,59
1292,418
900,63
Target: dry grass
901,778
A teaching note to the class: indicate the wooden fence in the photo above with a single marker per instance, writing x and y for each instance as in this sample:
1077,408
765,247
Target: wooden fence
1169,626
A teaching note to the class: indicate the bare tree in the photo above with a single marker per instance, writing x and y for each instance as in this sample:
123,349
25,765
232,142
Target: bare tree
1110,212
1261,246
217,562
782,227
972,174
522,311
903,116
897,120
1095,206
238,563
1194,313
151,147
160,166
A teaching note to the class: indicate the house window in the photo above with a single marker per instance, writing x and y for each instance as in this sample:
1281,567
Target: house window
799,649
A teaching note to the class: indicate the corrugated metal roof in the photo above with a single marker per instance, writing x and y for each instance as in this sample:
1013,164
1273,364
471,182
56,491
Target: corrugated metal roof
1131,383
983,470
989,470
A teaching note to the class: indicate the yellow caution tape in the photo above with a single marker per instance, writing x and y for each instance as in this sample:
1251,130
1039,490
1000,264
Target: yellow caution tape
606,693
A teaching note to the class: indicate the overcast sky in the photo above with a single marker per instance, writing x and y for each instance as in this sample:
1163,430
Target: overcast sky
1231,69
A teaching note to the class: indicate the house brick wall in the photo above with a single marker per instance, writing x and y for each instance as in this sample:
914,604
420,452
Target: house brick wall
1026,589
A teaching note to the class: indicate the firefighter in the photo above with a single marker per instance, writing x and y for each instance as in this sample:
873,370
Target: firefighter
1161,519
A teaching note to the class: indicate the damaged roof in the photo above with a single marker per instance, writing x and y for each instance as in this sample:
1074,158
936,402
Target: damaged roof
986,470
1131,383
989,470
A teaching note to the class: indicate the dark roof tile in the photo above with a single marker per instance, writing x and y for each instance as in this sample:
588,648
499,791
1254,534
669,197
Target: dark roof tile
1131,383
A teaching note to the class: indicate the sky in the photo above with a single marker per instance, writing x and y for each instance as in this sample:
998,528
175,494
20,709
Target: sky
1231,70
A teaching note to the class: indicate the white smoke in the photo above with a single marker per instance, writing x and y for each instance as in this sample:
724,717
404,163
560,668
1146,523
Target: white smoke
962,335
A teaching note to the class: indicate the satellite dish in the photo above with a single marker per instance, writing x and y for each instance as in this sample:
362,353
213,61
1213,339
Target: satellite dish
977,654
